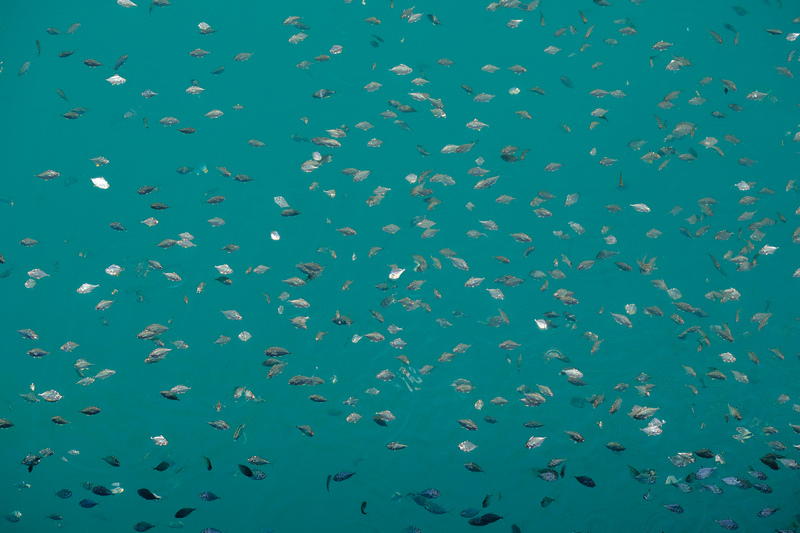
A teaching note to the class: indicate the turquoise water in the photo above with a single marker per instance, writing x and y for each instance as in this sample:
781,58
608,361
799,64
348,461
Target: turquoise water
70,218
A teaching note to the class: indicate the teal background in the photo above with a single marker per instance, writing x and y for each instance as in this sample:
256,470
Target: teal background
70,218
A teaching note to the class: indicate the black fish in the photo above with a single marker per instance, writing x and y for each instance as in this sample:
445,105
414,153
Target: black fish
208,462
121,61
484,519
147,495
87,504
163,465
101,491
472,467
244,469
770,461
186,511
328,483
113,461
364,508
585,480
64,493
341,476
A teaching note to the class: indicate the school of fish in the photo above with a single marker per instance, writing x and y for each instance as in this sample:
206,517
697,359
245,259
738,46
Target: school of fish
372,239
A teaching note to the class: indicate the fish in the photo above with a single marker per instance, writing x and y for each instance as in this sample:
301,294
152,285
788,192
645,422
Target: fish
148,495
484,519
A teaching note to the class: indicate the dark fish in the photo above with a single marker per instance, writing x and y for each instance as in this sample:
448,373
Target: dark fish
147,495
435,508
567,82
364,508
187,131
186,511
328,483
64,494
113,461
547,501
143,526
431,493
208,496
472,467
163,465
341,476
87,504
121,61
705,453
487,500
586,481
244,469
38,48
91,410
515,528
770,461
484,519
727,524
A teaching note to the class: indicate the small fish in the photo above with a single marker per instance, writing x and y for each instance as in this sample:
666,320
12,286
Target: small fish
473,467
484,519
186,511
431,493
586,481
208,462
363,508
341,476
727,524
121,61
163,465
208,496
148,495
87,504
